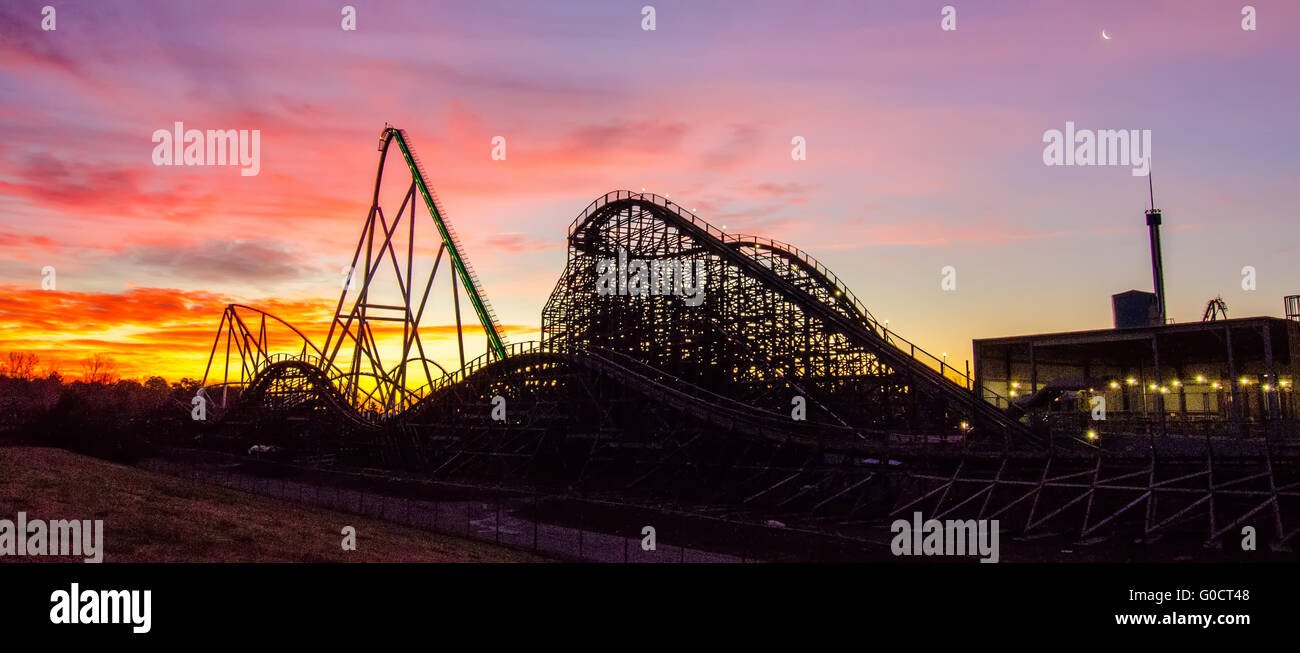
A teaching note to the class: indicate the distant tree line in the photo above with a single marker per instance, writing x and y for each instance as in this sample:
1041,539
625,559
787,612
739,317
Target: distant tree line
99,414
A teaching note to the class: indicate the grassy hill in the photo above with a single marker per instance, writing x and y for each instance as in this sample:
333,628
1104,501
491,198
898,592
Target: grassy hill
154,518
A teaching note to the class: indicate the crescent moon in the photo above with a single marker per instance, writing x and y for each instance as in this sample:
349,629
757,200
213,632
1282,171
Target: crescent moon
1103,35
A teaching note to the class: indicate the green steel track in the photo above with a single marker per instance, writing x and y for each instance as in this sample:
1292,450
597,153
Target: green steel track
476,295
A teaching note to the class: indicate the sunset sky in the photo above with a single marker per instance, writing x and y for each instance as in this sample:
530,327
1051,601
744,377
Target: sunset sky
924,149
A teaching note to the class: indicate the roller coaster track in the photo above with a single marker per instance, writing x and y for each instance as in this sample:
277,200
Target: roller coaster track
655,385
649,401
252,351
361,375
319,388
800,279
837,304
469,279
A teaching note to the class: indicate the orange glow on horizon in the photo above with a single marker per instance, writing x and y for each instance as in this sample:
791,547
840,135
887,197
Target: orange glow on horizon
164,332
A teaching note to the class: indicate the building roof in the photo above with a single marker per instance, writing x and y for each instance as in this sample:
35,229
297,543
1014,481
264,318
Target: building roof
1186,339
1137,333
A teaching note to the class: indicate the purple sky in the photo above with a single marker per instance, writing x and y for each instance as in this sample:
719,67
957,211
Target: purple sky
924,150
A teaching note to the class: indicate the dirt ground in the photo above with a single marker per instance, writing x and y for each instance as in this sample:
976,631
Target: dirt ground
154,518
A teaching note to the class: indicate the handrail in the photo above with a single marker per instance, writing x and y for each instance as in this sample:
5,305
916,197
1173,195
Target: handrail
474,365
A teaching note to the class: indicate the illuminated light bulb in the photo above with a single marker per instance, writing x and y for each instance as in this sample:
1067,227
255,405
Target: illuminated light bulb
1114,384
1216,385
1132,381
1245,381
1016,384
1092,435
1200,378
1153,386
1177,383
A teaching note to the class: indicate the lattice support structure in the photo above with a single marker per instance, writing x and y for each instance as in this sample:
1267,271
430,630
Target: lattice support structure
773,324
373,364
1209,498
656,400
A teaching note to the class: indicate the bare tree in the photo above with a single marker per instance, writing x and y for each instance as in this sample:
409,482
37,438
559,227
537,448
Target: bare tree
22,365
98,369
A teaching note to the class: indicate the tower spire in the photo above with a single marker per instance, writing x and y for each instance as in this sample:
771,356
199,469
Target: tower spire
1157,261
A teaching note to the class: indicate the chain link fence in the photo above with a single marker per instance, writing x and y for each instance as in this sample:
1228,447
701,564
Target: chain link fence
508,521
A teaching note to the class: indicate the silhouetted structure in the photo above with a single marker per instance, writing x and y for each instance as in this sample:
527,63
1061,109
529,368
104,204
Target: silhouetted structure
636,394
1224,377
